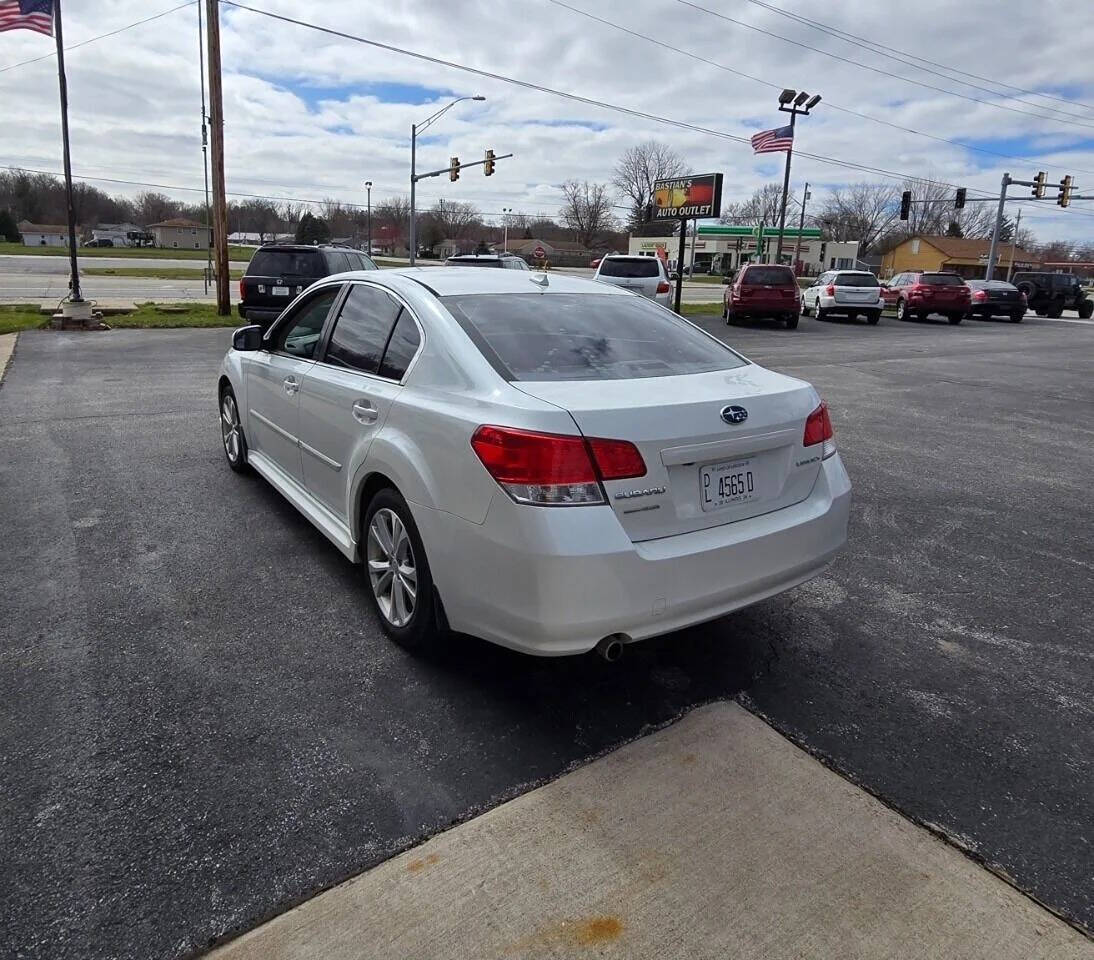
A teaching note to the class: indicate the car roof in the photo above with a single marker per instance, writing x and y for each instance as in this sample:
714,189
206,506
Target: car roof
460,281
484,256
861,273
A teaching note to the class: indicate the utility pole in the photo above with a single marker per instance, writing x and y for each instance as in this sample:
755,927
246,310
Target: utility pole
204,148
1014,244
368,228
505,211
216,115
801,227
694,237
998,223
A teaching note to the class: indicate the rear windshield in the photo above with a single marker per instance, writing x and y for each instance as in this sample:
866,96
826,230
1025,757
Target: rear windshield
285,263
630,268
942,280
581,336
856,280
772,276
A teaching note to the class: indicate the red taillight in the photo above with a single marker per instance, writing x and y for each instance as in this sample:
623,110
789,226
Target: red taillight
617,459
552,469
818,429
663,286
1022,294
980,295
830,290
918,288
242,293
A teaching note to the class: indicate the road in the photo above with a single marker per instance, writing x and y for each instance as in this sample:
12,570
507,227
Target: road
31,278
201,723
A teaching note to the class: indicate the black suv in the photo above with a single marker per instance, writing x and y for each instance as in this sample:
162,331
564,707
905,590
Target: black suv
278,272
1052,293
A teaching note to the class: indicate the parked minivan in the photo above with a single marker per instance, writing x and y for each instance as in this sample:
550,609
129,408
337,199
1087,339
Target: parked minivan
763,290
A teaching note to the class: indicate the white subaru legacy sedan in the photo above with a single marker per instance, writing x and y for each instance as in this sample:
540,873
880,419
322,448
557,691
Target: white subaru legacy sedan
549,463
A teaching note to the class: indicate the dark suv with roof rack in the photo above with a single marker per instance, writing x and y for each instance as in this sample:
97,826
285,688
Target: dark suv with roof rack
1050,294
279,272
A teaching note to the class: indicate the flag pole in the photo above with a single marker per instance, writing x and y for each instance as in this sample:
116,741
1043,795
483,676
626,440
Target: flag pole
74,281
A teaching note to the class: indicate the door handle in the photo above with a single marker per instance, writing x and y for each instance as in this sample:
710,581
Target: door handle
290,384
365,412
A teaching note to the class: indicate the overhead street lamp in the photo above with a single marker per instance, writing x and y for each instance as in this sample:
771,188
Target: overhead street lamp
415,129
368,228
794,103
505,243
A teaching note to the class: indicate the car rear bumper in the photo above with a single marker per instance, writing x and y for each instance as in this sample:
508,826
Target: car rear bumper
835,305
996,310
258,314
765,308
555,581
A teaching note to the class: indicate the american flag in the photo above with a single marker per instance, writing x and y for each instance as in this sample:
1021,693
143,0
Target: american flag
779,140
34,15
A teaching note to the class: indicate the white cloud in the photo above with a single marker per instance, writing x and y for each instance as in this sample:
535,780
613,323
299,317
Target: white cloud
135,108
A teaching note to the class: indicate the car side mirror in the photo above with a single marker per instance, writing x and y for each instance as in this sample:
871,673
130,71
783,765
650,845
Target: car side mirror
247,338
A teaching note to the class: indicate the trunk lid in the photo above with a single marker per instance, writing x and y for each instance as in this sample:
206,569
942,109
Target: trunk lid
701,471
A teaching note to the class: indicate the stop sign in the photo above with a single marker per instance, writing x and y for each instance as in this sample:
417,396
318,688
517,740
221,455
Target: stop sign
539,253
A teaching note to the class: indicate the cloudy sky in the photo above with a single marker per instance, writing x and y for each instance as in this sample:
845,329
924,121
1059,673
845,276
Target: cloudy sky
311,115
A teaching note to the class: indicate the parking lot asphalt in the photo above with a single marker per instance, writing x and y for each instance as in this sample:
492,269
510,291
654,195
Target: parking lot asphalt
202,724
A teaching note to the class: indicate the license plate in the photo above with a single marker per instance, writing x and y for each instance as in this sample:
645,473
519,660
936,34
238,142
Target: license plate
279,291
724,484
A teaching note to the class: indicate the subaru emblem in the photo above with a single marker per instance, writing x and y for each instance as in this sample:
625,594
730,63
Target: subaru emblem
734,414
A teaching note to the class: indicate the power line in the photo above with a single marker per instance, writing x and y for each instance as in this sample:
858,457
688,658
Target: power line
779,86
870,45
101,36
1072,119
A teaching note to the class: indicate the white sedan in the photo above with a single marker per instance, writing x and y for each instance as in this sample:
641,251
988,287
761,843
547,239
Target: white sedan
546,462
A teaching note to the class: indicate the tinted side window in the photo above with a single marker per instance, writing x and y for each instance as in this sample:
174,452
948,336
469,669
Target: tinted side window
338,262
401,348
366,262
362,328
300,332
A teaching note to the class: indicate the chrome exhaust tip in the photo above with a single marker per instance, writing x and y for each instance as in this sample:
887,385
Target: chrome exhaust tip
610,648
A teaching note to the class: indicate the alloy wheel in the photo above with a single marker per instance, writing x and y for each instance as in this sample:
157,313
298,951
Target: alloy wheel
391,569
230,430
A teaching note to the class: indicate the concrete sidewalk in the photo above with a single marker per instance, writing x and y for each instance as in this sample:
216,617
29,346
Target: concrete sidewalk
714,838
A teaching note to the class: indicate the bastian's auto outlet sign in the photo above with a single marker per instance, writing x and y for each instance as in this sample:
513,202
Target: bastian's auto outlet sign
688,198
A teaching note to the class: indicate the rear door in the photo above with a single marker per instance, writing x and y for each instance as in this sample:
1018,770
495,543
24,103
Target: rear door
275,277
346,397
637,274
720,437
860,289
273,378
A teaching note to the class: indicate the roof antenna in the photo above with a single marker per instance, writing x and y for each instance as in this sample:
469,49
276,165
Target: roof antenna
541,281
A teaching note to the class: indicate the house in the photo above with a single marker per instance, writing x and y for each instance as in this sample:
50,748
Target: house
43,234
559,253
388,239
964,255
182,234
122,234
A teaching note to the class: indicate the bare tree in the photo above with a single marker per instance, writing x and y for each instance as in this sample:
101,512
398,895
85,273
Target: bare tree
638,168
763,206
859,211
587,210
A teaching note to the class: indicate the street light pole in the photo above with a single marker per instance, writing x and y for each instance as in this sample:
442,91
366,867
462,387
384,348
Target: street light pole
794,103
368,227
505,217
415,129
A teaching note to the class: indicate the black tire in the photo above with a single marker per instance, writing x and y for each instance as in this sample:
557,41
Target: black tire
1055,310
822,314
1029,289
901,310
805,309
955,318
422,632
232,439
1040,313
725,314
1017,316
791,321
1086,309
873,317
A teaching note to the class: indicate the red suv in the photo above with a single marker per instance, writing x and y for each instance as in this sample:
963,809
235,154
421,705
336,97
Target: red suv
763,290
921,293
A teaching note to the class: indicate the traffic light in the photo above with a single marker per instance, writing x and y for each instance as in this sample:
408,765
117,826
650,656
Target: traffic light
453,168
488,166
905,204
1038,190
1065,191
959,199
